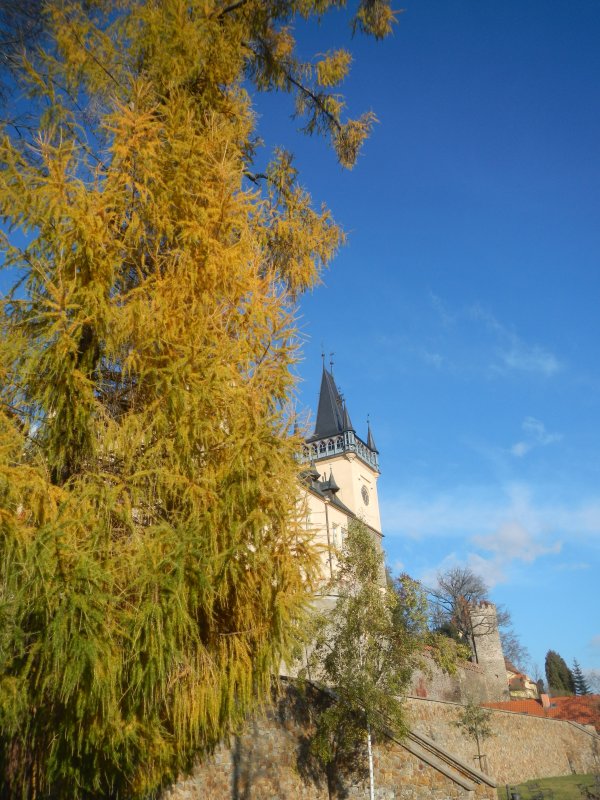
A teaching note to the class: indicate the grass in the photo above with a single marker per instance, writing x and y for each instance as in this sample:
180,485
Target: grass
564,787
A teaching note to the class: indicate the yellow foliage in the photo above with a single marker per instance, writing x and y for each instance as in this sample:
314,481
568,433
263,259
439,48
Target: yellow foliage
153,569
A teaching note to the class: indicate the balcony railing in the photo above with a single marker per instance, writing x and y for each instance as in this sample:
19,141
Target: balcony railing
347,442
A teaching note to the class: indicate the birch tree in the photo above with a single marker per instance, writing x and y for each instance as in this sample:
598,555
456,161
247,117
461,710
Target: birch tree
365,651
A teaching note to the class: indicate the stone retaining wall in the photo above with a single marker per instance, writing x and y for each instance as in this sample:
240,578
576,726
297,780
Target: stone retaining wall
522,747
470,682
270,760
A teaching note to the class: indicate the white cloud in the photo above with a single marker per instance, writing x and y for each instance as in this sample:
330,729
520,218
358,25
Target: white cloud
499,527
512,352
575,566
520,449
536,435
492,570
528,358
429,577
512,541
595,641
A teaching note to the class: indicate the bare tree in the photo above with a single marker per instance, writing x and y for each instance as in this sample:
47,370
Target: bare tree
593,678
512,647
457,590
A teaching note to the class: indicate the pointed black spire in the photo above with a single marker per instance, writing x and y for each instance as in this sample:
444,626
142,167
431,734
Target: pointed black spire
346,421
334,433
330,413
370,440
332,485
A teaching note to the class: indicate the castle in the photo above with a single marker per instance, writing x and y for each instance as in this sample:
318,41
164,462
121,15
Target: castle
340,484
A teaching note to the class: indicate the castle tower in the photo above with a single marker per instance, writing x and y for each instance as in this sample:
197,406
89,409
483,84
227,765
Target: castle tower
488,649
334,448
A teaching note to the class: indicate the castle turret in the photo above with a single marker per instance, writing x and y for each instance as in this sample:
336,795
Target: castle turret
488,649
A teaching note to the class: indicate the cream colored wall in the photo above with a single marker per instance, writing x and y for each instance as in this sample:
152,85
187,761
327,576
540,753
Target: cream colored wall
320,516
351,474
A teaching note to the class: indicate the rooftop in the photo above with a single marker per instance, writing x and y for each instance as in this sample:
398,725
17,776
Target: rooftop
584,709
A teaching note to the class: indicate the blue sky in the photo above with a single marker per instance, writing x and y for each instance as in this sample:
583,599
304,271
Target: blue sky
463,311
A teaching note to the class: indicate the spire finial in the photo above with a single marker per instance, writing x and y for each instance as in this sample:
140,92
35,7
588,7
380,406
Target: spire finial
323,354
331,355
370,440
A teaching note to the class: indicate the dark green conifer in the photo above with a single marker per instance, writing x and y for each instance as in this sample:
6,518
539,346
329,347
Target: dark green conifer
558,676
581,684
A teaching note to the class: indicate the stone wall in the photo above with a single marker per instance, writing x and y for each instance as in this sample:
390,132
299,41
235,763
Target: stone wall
522,746
270,760
469,682
488,648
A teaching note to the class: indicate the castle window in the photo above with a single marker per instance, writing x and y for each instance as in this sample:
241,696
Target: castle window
339,443
330,446
322,448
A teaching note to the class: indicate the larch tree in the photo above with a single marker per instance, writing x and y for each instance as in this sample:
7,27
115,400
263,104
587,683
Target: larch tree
153,573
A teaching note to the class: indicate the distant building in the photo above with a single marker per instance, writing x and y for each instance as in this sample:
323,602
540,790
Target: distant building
520,685
340,479
339,484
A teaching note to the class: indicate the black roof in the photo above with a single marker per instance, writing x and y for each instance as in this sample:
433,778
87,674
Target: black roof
370,440
332,414
324,488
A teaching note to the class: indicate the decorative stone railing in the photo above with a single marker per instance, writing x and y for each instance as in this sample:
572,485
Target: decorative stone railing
346,442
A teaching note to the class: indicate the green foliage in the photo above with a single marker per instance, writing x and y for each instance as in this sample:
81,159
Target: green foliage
153,572
562,787
365,648
558,676
475,722
579,679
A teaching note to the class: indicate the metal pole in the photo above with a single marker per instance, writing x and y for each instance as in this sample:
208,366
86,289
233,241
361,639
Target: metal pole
370,751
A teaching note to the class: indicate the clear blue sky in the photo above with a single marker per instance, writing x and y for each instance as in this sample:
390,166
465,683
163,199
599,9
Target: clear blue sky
464,311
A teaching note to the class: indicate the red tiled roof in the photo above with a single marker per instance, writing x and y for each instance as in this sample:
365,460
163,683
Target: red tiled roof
584,709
